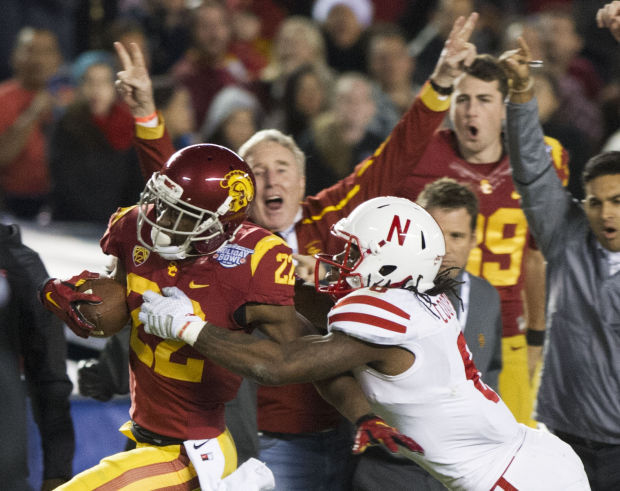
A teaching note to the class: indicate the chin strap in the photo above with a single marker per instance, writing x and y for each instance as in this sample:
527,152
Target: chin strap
161,245
171,253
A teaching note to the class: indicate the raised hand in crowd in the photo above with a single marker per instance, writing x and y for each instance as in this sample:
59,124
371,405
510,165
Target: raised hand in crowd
609,17
133,81
516,64
457,52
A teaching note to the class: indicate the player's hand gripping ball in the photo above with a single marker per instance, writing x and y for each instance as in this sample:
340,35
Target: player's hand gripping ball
109,316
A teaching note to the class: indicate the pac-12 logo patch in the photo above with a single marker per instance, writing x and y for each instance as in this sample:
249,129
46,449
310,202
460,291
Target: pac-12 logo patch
232,255
140,255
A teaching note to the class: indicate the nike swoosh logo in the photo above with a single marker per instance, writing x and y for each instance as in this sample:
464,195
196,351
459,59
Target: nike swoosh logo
196,285
516,348
198,446
48,295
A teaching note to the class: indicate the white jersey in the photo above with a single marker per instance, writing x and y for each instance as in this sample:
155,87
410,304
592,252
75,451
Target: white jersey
468,434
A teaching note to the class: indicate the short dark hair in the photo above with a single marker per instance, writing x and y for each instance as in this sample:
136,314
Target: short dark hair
487,68
448,193
603,164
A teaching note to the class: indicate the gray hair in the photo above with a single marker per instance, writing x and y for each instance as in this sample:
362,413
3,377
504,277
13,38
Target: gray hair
276,136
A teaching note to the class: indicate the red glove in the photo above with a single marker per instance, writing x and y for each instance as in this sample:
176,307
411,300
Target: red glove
62,298
373,430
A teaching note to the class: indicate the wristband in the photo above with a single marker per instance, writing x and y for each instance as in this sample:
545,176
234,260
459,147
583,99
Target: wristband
441,90
146,119
535,338
529,86
189,331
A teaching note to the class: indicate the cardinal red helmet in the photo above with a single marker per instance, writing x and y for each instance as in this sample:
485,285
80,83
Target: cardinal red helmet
196,203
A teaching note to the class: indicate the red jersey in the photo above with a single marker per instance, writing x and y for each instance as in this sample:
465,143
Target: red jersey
299,408
379,175
28,173
502,232
175,391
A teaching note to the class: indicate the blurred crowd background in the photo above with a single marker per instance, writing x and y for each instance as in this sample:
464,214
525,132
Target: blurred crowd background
335,74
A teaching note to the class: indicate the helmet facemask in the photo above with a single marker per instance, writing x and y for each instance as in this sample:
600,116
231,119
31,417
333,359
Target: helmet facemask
358,266
163,196
399,244
344,264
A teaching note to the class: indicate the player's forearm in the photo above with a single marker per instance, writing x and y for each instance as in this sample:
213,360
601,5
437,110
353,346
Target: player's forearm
154,147
345,394
262,360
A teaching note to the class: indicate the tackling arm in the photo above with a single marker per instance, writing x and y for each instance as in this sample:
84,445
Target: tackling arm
283,359
267,362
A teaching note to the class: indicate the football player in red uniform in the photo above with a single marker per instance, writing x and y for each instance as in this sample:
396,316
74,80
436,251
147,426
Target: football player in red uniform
296,424
473,152
189,231
415,155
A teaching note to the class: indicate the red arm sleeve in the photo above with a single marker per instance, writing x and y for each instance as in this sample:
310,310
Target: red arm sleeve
379,175
154,147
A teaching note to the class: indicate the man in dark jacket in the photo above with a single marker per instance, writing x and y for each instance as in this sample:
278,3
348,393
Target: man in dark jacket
32,343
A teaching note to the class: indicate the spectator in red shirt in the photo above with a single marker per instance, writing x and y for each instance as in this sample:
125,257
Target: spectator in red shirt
27,102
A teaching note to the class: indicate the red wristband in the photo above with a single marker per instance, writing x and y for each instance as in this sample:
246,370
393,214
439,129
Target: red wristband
146,119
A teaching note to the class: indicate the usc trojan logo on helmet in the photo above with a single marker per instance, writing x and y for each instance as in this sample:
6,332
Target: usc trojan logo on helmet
240,189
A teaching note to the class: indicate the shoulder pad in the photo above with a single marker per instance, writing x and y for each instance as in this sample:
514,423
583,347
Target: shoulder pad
377,316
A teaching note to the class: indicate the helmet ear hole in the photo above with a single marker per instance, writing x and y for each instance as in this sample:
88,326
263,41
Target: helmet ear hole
423,241
386,270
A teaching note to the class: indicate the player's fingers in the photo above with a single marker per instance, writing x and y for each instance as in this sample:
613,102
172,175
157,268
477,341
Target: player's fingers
359,447
173,291
87,297
124,81
79,320
137,56
470,54
506,55
456,27
407,442
468,26
510,65
123,55
143,317
150,296
523,46
389,443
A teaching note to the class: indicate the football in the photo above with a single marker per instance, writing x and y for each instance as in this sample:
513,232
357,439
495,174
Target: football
112,314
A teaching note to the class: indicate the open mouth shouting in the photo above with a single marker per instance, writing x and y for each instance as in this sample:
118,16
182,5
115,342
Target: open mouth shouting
472,131
610,232
274,203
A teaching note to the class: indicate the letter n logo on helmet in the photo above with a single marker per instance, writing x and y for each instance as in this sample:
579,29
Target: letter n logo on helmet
240,189
397,227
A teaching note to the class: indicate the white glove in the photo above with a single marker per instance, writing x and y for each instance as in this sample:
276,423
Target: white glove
170,316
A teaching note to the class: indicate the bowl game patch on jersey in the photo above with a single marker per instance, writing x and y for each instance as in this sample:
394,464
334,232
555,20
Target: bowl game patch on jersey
232,255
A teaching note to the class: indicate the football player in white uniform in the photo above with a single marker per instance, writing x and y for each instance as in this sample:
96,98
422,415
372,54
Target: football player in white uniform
394,330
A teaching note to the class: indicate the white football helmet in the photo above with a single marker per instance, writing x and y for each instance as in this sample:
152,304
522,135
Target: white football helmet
400,245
